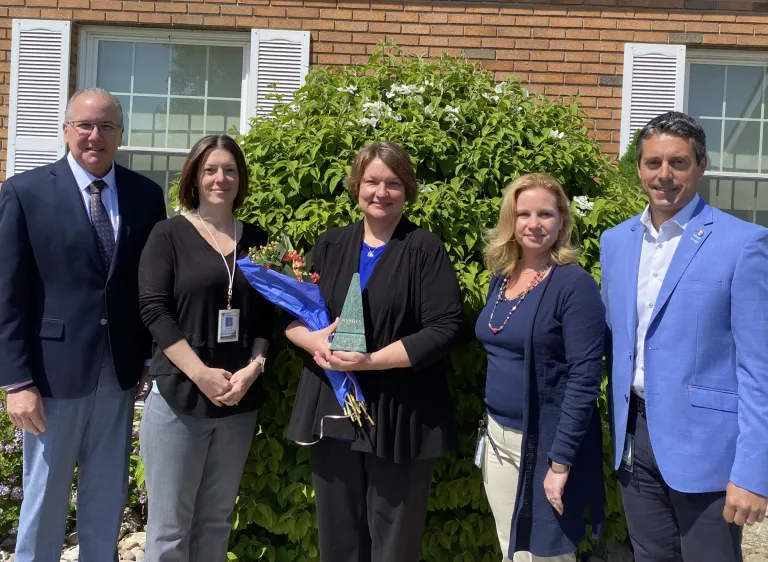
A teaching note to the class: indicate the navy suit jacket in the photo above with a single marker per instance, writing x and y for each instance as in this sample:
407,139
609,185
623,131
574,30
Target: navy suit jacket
58,307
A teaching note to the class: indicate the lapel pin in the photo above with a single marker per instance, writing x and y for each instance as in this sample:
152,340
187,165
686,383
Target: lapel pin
699,233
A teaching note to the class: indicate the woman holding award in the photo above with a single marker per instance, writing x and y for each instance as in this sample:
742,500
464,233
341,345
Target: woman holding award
543,326
210,331
372,480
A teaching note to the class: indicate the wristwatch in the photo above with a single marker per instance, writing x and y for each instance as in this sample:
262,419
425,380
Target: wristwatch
261,360
558,468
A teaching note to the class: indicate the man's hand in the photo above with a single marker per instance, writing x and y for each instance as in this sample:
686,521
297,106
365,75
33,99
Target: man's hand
142,389
25,409
743,506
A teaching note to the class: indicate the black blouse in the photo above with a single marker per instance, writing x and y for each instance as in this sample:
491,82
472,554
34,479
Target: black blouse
412,295
183,284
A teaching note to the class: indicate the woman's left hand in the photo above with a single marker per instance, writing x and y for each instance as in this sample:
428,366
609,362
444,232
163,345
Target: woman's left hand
343,360
554,485
241,381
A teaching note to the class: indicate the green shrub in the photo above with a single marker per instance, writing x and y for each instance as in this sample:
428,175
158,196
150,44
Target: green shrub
468,138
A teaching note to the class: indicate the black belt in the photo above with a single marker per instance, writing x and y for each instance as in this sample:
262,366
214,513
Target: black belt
638,404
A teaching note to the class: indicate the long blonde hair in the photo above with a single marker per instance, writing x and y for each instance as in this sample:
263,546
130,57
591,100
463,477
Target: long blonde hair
502,252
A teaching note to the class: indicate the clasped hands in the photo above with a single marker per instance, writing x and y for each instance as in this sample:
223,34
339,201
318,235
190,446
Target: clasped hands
224,388
337,360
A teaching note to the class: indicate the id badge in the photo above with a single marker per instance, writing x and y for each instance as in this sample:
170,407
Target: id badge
480,450
628,456
229,325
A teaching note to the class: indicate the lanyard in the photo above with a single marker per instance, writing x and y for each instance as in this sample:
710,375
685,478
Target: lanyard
230,273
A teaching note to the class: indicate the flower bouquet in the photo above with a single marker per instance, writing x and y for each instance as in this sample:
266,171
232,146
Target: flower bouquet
282,277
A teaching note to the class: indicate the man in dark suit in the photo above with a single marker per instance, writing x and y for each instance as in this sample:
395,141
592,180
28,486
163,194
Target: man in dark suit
72,344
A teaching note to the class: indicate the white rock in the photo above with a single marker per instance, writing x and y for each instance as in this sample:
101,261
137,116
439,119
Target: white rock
71,554
128,555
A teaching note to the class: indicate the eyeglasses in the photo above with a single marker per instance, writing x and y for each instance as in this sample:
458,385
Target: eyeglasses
86,127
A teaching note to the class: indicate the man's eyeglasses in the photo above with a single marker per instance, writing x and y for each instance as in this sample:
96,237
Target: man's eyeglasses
86,127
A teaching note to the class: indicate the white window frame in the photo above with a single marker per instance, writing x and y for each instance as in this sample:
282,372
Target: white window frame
88,60
743,58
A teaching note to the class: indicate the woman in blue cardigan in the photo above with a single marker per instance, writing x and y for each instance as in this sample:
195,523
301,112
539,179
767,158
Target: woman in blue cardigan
543,327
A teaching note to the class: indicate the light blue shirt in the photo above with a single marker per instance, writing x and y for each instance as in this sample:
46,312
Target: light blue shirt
108,196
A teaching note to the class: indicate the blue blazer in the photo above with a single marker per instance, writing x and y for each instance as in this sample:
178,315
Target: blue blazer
563,365
58,308
706,351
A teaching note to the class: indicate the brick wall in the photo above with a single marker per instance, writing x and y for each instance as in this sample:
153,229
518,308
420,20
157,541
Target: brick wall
560,47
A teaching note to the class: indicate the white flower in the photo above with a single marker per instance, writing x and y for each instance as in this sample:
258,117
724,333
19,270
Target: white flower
348,89
525,93
369,121
583,205
519,107
377,109
451,109
555,134
398,117
489,97
242,143
499,87
429,110
424,188
428,83
390,95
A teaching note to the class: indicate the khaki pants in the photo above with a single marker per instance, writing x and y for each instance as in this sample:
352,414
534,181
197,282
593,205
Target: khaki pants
500,479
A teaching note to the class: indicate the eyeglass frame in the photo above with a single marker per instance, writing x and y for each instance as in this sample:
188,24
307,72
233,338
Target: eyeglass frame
98,125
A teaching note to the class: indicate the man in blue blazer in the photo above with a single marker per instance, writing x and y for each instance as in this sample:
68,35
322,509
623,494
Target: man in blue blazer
685,288
72,344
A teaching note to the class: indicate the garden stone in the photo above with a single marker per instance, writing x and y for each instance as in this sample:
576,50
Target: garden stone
128,555
71,554
131,522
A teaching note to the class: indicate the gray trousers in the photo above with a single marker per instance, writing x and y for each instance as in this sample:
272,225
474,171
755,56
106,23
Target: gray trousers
192,468
93,432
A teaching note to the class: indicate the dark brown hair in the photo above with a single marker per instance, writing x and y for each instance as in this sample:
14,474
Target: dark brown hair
396,160
189,194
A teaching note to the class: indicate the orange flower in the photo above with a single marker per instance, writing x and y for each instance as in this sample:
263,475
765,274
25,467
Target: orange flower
315,278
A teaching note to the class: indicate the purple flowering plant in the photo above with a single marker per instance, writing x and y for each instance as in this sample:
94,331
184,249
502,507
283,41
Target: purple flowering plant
10,472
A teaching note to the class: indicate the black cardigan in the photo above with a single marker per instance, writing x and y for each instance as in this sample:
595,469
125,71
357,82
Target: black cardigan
182,286
413,296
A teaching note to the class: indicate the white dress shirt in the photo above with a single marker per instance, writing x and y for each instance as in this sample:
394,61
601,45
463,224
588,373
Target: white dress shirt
108,195
656,255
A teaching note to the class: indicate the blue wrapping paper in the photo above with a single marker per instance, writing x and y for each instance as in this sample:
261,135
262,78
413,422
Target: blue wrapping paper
305,302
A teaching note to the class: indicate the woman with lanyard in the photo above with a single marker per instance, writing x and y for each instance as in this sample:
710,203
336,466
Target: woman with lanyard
543,327
372,484
210,333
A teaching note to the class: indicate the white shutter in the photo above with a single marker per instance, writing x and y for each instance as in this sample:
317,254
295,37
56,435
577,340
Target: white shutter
654,79
39,91
279,64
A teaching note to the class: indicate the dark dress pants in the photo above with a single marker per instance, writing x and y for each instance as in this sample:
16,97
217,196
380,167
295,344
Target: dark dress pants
666,525
369,509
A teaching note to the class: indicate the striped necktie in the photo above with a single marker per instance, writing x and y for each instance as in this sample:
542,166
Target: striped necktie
102,224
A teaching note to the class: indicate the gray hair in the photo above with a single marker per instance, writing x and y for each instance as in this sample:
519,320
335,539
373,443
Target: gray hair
100,92
678,124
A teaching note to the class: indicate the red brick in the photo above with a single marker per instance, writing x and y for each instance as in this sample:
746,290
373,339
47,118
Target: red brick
349,48
547,33
651,37
377,27
415,28
600,23
204,8
472,19
615,35
123,16
434,40
351,26
584,34
316,25
547,78
499,20
70,4
718,18
375,38
433,18
498,42
566,45
85,15
154,18
237,10
336,36
510,54
597,91
528,66
513,32
516,11
481,9
758,40
186,19
419,51
480,30
737,28
335,14
581,79
668,26
720,39
55,14
566,22
302,12
43,3
449,7
333,59
507,66
171,7
416,6
548,56
220,21
267,12
582,57
697,26
564,67
139,6
612,58
532,44
465,42
405,17
447,30
603,46
532,21
561,90
641,25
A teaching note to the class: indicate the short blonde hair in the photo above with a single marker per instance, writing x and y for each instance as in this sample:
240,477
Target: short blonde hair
502,252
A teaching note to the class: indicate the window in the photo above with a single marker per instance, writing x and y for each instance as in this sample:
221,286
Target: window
175,87
726,93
